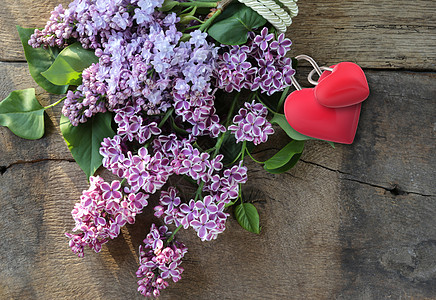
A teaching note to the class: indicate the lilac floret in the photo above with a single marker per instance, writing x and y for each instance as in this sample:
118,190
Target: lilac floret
259,65
158,261
250,124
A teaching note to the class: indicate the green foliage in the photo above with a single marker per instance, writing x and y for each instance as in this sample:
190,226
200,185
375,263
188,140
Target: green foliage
39,60
282,157
232,27
291,132
232,150
168,5
69,64
23,114
286,167
229,148
84,140
248,217
280,120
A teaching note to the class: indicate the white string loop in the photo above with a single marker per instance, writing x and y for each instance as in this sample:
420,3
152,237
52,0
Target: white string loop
269,9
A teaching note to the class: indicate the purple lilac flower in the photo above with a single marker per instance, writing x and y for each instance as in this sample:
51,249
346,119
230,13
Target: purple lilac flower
259,65
250,124
168,206
159,261
281,45
263,39
101,213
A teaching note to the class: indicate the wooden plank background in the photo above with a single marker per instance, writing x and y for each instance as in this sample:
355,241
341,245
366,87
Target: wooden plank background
355,222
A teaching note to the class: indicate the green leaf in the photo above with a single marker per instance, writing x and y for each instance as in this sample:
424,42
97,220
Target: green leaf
331,144
168,5
39,60
232,27
84,140
23,114
282,157
229,148
289,165
248,217
280,120
69,64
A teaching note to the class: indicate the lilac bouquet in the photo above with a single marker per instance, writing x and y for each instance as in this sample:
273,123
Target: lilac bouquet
157,89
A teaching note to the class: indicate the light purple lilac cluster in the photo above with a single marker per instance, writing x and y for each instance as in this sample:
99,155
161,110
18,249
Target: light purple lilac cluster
159,261
258,65
102,211
250,124
142,63
91,21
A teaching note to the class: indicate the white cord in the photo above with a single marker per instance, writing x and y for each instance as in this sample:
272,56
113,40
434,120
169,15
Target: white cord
265,12
292,7
273,13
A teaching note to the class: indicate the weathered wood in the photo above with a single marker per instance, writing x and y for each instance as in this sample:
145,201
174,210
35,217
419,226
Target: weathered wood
331,227
25,13
355,222
382,34
15,76
374,34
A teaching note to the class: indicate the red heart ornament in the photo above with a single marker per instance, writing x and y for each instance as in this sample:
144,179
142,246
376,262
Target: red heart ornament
308,117
346,85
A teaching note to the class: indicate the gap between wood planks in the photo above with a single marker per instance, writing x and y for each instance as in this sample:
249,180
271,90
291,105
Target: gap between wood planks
3,169
394,189
381,69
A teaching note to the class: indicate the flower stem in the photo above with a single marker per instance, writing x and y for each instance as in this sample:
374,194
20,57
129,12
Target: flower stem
56,103
283,97
228,120
199,190
269,109
165,118
198,4
249,154
220,6
173,234
209,21
243,150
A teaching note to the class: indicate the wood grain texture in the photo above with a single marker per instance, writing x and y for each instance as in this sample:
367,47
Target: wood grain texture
15,76
333,227
25,13
374,34
355,222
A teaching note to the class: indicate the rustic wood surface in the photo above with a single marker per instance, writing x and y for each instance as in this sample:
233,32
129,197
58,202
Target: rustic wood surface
355,222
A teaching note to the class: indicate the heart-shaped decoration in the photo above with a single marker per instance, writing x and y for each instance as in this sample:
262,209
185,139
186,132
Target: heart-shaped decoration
346,85
308,117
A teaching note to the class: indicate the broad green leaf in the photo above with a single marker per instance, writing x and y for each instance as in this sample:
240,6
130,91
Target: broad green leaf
168,5
39,60
291,132
84,140
232,27
248,217
69,64
23,114
280,120
282,157
229,148
289,165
